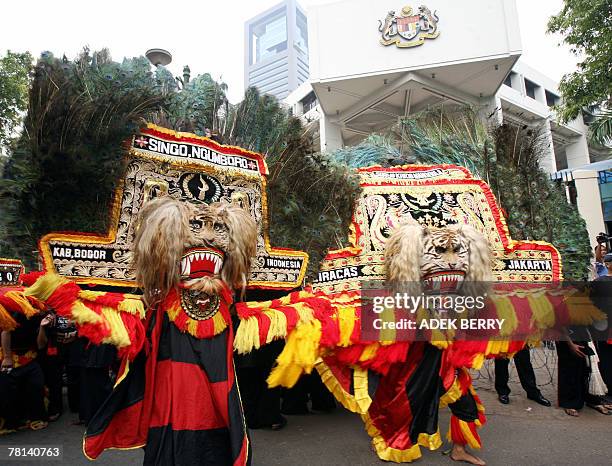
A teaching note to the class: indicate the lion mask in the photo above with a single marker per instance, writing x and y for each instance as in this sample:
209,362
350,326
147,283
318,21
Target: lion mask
194,246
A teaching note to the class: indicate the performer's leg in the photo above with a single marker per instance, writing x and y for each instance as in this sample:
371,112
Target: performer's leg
31,387
604,350
52,370
522,360
250,392
74,395
295,399
261,404
321,397
467,416
8,402
571,378
403,415
501,379
96,386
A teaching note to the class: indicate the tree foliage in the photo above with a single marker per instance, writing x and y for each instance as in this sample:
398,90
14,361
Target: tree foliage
63,170
14,82
587,28
62,173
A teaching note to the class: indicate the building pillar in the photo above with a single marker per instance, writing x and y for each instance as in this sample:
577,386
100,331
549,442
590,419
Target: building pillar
331,135
491,111
587,187
548,163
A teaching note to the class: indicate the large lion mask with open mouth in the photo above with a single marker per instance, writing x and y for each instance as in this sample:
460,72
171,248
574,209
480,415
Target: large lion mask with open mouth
439,260
198,247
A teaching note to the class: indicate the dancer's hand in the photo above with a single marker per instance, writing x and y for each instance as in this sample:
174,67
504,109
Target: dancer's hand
577,349
48,320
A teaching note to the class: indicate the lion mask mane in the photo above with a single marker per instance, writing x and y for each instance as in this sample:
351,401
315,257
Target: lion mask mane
195,245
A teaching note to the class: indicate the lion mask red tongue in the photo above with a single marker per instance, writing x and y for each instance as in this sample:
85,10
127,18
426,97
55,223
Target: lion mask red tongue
201,262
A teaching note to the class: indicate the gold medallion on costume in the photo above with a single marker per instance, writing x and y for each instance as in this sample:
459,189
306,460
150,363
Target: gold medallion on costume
199,305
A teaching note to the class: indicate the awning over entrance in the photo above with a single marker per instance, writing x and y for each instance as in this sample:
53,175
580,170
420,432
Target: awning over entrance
568,174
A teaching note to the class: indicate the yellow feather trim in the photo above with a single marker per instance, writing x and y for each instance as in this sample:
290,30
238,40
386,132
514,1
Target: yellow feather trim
90,295
133,305
45,286
542,311
451,395
23,303
386,453
505,310
219,323
247,336
582,311
6,321
360,386
346,320
467,434
346,399
305,312
119,336
278,325
369,352
299,355
81,314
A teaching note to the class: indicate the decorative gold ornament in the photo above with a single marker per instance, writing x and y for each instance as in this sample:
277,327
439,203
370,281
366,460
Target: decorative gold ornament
199,305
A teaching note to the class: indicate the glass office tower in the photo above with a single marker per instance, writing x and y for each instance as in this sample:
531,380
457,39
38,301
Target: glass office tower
276,49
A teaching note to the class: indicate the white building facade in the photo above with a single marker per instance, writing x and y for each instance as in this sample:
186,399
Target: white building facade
372,63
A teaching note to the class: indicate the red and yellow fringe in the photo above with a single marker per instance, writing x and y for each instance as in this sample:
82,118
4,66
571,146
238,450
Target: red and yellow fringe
101,317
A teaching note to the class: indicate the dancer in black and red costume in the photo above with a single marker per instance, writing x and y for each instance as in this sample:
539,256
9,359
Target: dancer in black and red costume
176,393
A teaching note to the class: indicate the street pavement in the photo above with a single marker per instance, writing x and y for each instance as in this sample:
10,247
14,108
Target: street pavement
521,433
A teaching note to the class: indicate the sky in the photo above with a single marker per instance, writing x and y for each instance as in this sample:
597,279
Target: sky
206,35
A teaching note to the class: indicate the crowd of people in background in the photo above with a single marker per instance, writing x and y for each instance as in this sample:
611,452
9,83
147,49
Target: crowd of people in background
584,355
40,357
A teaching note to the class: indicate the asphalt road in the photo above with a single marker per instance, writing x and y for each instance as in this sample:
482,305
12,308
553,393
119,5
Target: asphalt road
522,433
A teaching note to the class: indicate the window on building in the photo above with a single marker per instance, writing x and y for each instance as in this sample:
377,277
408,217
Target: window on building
572,193
301,40
531,88
269,37
551,99
509,78
309,102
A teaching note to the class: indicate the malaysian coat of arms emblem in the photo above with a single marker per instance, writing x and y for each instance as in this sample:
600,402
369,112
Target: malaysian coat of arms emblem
409,29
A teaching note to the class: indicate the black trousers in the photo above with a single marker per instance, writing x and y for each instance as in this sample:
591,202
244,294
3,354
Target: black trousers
309,387
526,375
261,404
53,367
573,379
22,395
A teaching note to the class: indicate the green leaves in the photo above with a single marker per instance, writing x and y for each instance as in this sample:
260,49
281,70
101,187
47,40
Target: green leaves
63,170
600,129
14,82
587,28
